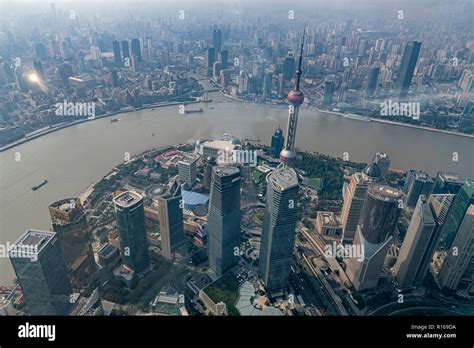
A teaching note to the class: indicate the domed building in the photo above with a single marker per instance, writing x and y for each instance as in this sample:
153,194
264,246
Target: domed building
372,173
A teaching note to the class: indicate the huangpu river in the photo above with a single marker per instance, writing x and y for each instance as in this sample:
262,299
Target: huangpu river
73,158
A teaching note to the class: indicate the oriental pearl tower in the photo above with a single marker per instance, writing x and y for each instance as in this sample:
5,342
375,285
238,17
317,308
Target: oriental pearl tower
288,155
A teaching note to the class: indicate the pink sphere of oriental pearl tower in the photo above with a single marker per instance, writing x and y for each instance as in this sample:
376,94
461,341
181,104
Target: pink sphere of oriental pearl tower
288,155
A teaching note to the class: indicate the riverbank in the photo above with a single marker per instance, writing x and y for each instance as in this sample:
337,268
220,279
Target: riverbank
358,117
272,105
372,119
70,124
423,127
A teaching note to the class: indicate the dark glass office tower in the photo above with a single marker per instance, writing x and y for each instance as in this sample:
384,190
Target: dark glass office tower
410,268
461,203
420,183
289,67
407,68
328,92
217,40
130,217
69,221
171,220
278,232
136,49
447,183
278,140
116,48
125,49
223,226
40,269
40,50
380,213
267,82
38,66
223,57
210,58
372,81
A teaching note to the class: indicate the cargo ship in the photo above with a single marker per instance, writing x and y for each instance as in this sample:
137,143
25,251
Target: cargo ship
192,111
44,182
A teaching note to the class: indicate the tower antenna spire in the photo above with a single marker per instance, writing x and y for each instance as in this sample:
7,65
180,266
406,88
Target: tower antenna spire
298,70
295,97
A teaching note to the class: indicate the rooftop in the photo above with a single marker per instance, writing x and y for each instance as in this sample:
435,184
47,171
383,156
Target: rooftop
385,192
422,176
381,155
226,171
328,218
127,199
35,239
283,178
188,160
450,177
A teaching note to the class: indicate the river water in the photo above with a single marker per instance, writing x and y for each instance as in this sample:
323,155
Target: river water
73,158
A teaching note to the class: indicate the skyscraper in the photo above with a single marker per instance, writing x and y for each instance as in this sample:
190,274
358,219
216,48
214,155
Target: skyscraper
223,57
125,49
461,203
288,67
277,142
447,183
328,92
40,51
171,219
210,58
223,225
130,217
117,56
267,83
383,161
457,271
38,66
407,68
187,171
372,80
408,180
278,231
410,268
41,272
69,221
373,235
295,98
440,205
354,199
136,49
420,183
217,41
114,79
